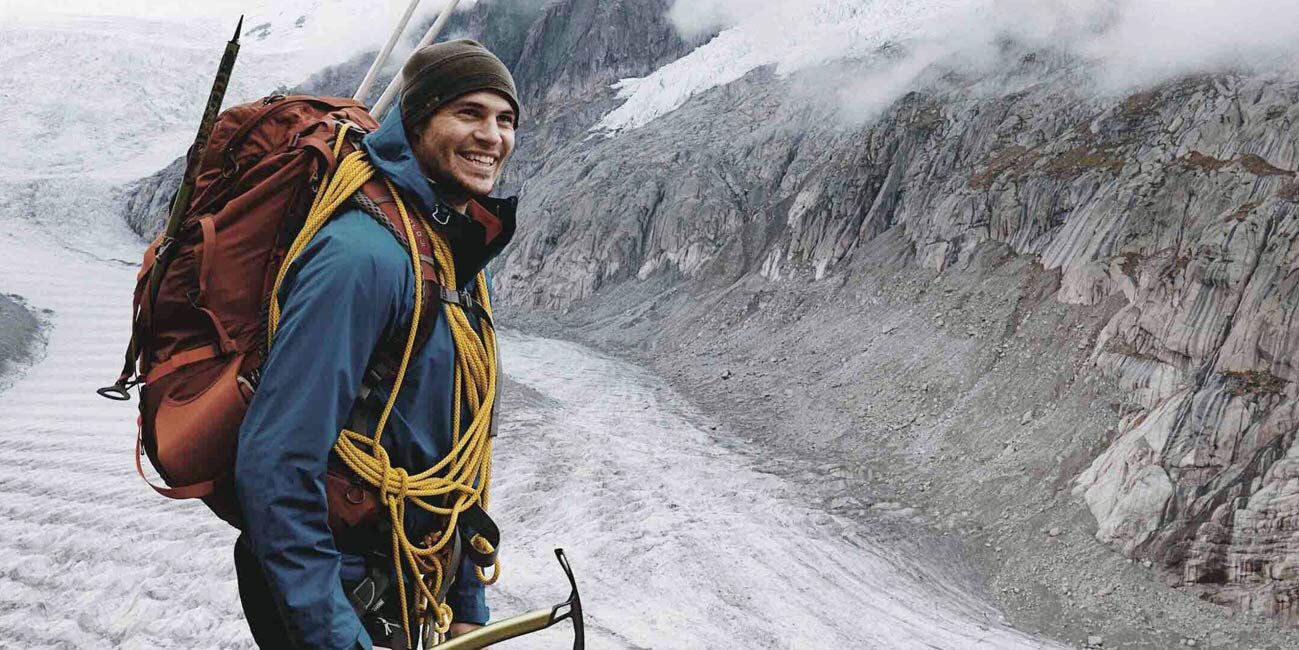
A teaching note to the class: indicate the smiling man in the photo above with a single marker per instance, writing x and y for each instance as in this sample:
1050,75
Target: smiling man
307,582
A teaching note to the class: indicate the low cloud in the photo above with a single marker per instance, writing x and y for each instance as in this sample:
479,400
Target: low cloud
1124,45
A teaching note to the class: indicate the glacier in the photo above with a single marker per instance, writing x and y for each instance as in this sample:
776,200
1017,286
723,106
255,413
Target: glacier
680,538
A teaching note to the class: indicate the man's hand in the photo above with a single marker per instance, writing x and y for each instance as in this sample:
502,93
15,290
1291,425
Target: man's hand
461,628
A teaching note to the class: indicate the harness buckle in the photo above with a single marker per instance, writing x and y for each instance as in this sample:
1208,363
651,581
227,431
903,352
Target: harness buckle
367,596
352,128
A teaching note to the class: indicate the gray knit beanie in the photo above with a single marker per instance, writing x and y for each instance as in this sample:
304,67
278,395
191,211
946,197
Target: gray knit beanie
441,72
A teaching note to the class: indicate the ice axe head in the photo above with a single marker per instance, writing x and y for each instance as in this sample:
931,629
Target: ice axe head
571,608
533,621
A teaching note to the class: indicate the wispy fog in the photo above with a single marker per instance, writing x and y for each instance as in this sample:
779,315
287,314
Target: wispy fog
315,32
1122,44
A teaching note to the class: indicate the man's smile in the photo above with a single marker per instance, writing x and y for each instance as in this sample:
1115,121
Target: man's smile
483,161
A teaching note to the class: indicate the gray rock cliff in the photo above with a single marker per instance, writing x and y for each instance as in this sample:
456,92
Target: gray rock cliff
1181,201
21,338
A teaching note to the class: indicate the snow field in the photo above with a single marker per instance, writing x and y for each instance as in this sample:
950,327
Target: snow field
678,543
1127,44
92,558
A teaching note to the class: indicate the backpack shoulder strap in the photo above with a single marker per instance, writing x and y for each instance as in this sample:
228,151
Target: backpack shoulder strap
375,200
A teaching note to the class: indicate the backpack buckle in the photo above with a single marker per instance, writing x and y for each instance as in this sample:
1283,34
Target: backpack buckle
352,127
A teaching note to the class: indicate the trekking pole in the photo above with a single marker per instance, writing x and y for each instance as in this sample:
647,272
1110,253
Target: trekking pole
373,72
534,621
179,206
395,86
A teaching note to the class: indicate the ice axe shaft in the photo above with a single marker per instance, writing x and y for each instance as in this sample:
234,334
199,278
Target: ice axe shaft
395,86
180,204
533,621
176,215
373,72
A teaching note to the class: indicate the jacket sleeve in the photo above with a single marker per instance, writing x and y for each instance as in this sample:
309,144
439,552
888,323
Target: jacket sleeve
338,299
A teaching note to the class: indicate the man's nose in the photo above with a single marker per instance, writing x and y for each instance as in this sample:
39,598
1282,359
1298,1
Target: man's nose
488,132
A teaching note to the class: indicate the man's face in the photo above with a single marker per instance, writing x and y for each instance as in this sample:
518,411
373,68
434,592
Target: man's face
463,146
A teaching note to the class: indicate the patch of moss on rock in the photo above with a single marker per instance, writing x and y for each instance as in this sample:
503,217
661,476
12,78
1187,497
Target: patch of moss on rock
1080,160
1014,160
1260,383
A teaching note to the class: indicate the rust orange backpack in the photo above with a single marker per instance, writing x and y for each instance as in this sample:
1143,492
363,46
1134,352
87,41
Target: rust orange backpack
199,336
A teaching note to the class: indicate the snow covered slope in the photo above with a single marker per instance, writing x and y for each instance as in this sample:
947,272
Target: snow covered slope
788,35
1132,42
118,95
106,99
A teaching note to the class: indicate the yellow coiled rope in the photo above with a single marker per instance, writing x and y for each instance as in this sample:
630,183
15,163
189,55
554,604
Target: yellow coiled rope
462,478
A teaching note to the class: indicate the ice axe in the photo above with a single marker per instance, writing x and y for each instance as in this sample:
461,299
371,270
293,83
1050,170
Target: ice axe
180,204
534,621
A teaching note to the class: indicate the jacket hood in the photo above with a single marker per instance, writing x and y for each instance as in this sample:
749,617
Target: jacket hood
391,153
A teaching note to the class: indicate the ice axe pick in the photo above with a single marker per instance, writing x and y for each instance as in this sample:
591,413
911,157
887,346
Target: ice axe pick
533,621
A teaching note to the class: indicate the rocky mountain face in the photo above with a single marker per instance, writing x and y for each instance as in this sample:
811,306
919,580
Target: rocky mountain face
145,203
1144,241
19,339
1181,201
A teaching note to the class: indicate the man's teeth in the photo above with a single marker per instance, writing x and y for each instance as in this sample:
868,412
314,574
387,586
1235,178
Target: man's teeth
485,161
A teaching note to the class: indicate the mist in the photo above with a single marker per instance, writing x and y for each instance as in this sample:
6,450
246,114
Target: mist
1121,46
313,32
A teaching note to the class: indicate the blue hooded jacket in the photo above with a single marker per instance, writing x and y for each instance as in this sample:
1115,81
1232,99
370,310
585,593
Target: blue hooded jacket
351,289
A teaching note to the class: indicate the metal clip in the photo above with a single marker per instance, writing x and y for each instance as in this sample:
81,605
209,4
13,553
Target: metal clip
163,247
231,166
